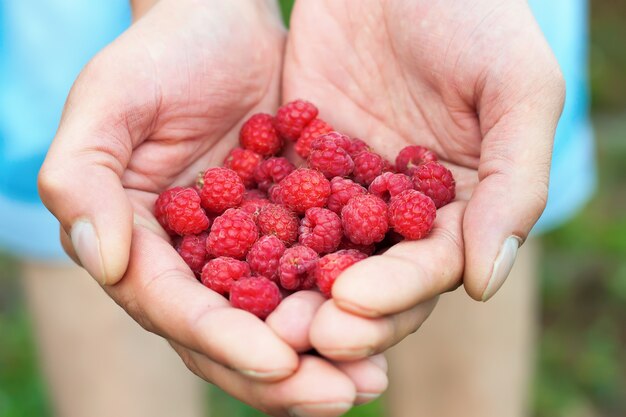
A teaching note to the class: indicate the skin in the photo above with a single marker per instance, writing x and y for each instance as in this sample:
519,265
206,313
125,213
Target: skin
476,82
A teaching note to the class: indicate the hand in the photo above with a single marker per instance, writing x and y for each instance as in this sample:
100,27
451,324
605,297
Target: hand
474,81
160,104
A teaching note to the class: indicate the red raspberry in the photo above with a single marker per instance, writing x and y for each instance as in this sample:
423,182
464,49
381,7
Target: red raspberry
330,266
253,207
265,255
275,194
328,157
366,249
178,210
222,189
192,248
315,128
367,166
272,171
436,181
296,268
232,234
341,191
274,219
357,146
243,162
291,118
304,188
253,194
219,274
257,295
388,184
320,230
365,219
259,135
413,156
412,214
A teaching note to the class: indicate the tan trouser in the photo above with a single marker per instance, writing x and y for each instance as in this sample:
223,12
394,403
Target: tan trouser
469,359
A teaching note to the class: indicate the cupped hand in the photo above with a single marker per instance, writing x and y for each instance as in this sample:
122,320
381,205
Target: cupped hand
153,109
475,82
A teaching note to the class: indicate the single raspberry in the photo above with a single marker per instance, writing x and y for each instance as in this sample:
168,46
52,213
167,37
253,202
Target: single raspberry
257,295
253,194
410,157
274,194
340,139
220,273
178,210
328,157
265,255
357,146
296,268
253,207
274,219
222,189
330,266
315,128
436,181
366,249
412,214
243,162
388,184
341,191
259,135
367,166
364,219
272,171
304,188
192,248
232,234
320,230
291,118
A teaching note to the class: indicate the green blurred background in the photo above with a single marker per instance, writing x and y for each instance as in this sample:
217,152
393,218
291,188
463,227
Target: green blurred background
581,369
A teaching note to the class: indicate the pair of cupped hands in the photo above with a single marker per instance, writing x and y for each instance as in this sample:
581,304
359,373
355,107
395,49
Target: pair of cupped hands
473,80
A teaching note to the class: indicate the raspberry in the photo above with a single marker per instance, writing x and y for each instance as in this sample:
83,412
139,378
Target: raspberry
275,194
265,255
219,274
367,166
412,214
388,184
178,210
272,171
192,248
253,194
340,139
436,181
243,162
257,295
413,156
365,219
330,266
366,249
302,189
341,191
222,189
253,207
328,157
259,135
232,234
357,146
291,118
296,268
274,219
315,128
320,230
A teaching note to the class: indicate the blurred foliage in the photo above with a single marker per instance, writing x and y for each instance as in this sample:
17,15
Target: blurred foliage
582,360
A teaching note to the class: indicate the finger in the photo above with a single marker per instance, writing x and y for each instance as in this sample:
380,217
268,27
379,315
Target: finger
161,293
292,318
343,336
369,377
518,121
408,273
316,389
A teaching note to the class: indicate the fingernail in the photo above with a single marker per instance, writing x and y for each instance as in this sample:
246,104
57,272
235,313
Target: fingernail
87,247
266,376
380,361
365,397
319,410
502,266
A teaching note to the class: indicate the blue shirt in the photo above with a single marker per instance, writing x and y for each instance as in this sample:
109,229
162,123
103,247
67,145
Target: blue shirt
45,43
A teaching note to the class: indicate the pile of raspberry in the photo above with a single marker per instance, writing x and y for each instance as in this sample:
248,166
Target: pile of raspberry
263,226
